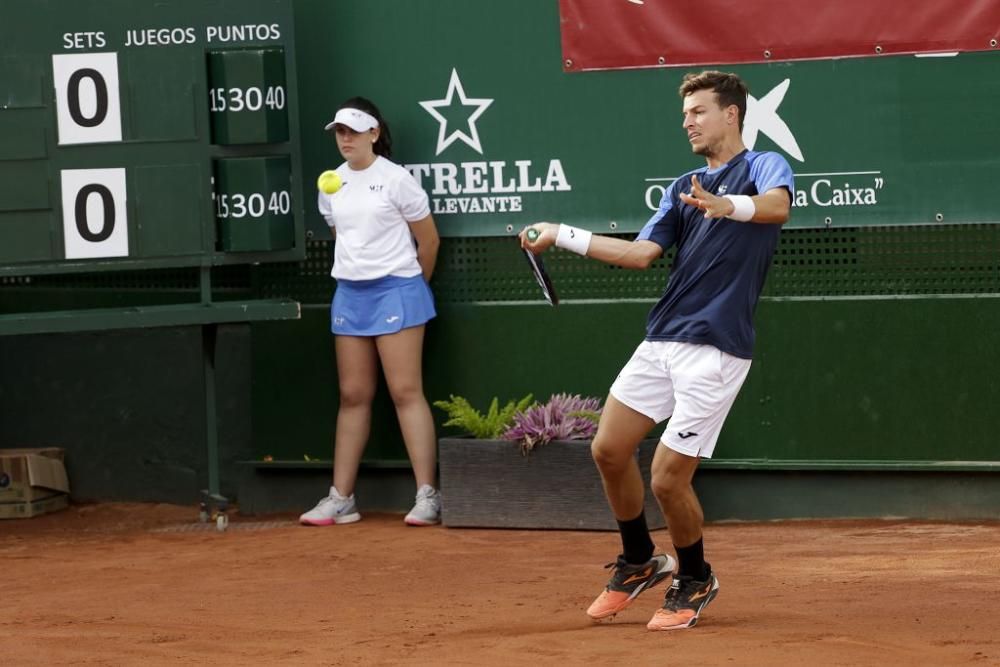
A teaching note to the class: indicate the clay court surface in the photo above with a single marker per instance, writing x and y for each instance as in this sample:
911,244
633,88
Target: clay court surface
121,584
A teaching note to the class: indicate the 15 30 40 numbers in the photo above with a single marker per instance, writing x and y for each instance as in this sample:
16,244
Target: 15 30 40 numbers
254,205
246,99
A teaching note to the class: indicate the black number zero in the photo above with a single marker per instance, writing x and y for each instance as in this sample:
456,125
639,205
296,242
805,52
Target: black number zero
100,90
83,225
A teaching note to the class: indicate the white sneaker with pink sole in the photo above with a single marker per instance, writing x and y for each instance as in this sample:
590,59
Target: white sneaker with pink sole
334,509
427,509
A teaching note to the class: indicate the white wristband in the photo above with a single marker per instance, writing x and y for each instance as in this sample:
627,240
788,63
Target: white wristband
743,208
574,239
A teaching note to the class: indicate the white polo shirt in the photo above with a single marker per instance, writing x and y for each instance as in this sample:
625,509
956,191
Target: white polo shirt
371,214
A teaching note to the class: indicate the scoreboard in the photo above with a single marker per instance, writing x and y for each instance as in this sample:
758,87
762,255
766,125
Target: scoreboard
146,134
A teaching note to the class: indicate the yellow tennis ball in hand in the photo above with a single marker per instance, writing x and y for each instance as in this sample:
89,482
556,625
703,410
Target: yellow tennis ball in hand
329,182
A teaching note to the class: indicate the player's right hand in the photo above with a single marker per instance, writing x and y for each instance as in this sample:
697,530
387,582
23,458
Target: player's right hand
547,233
713,206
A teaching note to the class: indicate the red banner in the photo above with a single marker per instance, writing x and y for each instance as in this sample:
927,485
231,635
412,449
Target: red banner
609,34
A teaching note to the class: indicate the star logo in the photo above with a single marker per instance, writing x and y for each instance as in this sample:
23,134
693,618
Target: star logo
762,116
445,139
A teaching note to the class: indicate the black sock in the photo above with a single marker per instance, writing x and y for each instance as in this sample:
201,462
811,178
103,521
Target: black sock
691,561
637,545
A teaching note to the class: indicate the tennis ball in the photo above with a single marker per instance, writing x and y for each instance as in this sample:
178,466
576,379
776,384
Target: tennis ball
533,234
329,182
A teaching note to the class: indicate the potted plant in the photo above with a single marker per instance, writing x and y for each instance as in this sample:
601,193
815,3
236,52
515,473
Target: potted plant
528,465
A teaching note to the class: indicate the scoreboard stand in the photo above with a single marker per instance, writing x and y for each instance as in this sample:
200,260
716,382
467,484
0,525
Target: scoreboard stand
150,134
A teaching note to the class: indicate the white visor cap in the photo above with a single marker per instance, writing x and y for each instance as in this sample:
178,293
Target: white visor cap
357,120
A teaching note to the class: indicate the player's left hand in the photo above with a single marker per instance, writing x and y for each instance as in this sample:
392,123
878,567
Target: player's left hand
713,206
545,238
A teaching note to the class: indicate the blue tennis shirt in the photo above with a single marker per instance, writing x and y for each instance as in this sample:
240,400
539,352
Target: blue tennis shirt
721,264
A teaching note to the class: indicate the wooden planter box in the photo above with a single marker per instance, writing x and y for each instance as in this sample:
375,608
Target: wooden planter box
489,484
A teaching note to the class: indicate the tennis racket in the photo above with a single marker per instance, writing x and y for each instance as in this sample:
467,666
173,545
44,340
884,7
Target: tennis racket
538,270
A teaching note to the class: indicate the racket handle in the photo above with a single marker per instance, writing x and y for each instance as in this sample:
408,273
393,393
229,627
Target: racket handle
532,234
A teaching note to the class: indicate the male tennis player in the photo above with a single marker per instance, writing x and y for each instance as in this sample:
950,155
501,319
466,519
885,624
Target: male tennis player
724,219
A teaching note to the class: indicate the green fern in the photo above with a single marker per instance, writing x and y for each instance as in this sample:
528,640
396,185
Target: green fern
490,426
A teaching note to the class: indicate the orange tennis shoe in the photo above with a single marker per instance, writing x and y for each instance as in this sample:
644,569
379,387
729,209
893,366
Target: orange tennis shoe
627,581
684,602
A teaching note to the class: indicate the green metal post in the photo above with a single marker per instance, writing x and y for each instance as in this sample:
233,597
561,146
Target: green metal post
208,340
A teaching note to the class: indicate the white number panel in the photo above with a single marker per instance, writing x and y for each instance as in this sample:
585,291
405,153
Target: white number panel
95,222
88,108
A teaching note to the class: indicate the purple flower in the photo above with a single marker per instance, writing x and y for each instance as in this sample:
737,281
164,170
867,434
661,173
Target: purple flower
563,417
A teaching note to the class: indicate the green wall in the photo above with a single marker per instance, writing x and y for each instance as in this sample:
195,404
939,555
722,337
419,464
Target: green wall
128,407
911,379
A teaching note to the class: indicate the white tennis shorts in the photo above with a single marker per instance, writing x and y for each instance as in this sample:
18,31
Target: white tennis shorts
693,385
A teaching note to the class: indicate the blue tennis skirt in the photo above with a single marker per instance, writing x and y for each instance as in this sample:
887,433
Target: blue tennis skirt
381,306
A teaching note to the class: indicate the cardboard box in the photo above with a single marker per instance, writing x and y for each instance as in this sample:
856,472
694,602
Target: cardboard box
32,482
27,510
